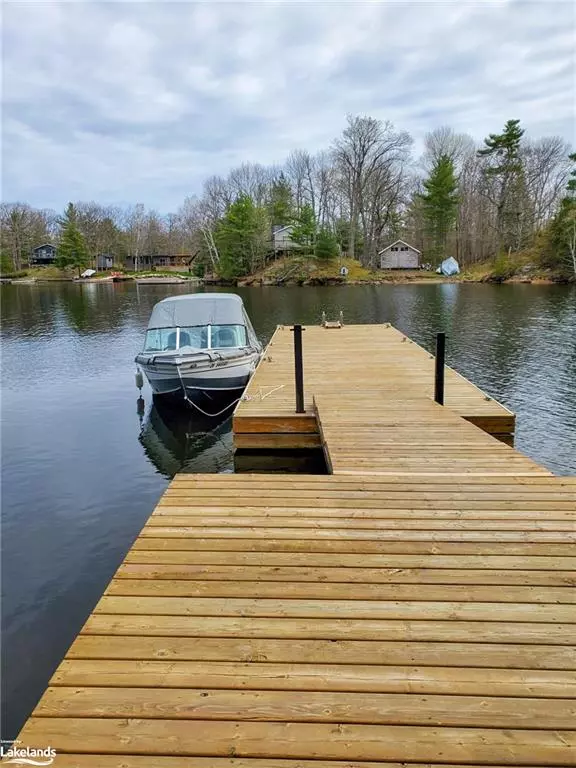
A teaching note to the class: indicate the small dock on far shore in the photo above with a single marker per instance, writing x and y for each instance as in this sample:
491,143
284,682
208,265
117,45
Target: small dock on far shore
415,605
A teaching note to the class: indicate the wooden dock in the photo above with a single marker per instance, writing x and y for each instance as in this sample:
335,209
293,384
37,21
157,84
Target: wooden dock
416,606
367,360
369,432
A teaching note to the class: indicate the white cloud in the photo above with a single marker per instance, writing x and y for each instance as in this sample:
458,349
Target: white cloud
127,101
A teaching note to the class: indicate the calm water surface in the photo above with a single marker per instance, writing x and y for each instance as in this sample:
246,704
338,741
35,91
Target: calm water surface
82,469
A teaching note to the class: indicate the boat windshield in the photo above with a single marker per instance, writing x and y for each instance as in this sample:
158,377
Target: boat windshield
194,336
227,336
161,340
197,337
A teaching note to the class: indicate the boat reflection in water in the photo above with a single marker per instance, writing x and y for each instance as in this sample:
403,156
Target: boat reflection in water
178,440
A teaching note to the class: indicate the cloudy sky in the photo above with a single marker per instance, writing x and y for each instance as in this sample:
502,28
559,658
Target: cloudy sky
124,102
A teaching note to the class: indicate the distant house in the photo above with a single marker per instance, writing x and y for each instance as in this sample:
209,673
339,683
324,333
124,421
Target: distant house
104,261
161,260
43,255
399,255
141,262
281,241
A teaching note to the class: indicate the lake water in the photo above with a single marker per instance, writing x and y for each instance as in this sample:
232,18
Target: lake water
82,469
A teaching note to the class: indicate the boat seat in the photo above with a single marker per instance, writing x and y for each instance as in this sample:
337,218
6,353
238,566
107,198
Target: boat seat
171,342
225,338
184,339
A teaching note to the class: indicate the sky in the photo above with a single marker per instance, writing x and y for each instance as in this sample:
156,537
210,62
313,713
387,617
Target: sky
127,102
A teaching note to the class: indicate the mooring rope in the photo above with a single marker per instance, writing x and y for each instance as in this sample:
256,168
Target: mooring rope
195,405
261,396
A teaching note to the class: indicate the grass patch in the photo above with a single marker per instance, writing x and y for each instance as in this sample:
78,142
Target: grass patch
516,267
307,269
51,273
14,275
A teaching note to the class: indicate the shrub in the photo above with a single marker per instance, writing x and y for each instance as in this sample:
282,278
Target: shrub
504,269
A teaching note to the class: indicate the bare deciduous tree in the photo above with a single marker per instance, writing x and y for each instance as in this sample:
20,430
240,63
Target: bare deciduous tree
546,168
444,141
197,219
136,232
370,156
23,228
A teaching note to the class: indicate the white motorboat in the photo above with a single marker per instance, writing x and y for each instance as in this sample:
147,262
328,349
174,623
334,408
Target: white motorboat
199,344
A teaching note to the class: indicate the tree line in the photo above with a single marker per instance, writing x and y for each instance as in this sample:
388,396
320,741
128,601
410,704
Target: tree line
367,189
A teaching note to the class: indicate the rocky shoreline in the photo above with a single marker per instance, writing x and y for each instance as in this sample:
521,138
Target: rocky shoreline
260,281
332,281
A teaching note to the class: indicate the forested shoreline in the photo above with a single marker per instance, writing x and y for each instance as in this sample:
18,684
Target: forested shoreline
494,201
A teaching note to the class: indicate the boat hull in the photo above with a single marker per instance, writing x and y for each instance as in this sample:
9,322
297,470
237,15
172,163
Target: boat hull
219,378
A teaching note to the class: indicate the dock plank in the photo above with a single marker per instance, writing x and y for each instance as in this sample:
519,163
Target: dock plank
316,707
453,681
255,655
161,761
337,609
304,740
447,630
361,575
339,591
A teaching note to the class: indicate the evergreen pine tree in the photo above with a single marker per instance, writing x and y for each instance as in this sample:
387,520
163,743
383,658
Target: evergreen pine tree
280,204
504,147
504,167
440,204
240,237
326,246
72,250
304,228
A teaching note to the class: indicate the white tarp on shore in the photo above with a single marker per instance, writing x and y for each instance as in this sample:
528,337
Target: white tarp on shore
448,267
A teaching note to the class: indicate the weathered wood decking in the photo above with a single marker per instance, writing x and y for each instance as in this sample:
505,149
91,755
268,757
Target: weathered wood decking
417,606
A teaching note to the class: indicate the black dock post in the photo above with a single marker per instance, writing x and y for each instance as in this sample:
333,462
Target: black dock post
298,368
439,375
